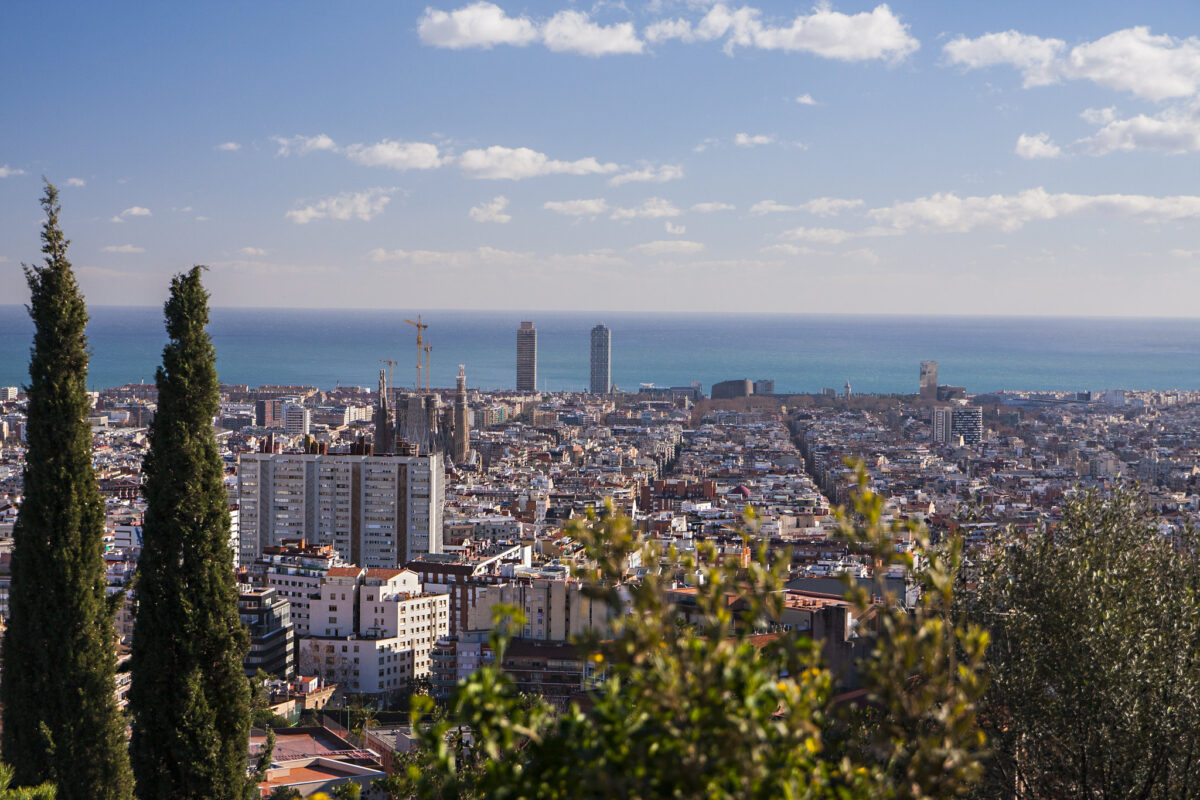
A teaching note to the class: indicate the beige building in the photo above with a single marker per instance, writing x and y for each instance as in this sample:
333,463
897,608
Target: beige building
372,630
554,609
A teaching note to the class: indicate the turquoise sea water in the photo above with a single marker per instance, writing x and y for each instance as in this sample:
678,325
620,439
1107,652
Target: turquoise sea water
801,352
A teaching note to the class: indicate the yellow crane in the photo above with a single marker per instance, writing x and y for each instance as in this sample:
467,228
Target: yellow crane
420,326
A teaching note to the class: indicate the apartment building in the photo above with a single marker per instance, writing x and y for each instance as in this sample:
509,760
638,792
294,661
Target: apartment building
373,630
377,511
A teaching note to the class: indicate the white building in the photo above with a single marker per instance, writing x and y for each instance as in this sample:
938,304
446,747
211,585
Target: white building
377,511
372,630
296,420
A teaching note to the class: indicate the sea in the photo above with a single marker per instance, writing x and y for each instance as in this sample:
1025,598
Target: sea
800,352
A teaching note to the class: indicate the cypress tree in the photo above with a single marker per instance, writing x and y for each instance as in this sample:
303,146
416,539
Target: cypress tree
61,722
190,698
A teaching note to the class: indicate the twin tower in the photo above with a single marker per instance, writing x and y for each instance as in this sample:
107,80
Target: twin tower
601,375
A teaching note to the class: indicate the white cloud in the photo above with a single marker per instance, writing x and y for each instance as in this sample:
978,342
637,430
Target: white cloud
667,29
660,174
7,172
1099,116
577,208
705,144
229,147
708,208
821,206
508,163
299,145
947,212
669,247
124,248
491,211
1134,60
748,140
574,32
864,254
252,251
477,25
1035,57
76,182
1174,130
132,211
486,25
347,205
876,34
454,259
396,155
806,100
789,250
818,235
1130,60
1037,146
675,230
653,208
1180,253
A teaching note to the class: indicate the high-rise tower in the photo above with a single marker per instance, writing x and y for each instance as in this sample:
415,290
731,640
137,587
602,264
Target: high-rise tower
526,358
462,420
601,359
929,380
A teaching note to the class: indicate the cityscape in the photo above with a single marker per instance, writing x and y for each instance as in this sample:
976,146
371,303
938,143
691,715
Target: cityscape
667,398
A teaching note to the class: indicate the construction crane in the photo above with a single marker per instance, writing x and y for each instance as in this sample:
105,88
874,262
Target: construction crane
428,348
420,326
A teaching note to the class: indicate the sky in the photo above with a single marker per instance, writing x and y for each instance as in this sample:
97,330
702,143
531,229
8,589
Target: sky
664,155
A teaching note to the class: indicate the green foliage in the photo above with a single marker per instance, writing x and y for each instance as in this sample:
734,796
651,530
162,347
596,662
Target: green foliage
61,722
707,710
7,792
1095,659
189,695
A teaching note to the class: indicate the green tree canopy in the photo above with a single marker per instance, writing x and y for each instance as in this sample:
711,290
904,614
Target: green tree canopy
709,710
61,722
1095,656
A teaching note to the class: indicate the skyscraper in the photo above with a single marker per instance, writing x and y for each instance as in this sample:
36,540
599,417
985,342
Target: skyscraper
929,380
462,420
601,359
526,358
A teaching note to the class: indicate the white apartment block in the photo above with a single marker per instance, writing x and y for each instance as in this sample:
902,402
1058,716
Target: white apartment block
377,511
372,630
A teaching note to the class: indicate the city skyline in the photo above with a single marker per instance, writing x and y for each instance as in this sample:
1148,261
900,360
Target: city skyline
498,155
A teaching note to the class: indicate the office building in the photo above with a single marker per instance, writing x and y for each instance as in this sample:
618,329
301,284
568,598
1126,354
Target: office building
462,419
952,423
601,360
377,511
929,380
267,618
296,420
526,358
764,386
731,390
967,423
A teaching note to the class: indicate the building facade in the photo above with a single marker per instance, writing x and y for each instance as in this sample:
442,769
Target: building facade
526,358
377,511
601,360
373,630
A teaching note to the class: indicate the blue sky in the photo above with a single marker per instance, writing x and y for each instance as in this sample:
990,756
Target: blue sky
914,157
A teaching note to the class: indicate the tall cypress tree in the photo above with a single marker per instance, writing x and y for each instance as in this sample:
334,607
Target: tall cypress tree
61,721
189,697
